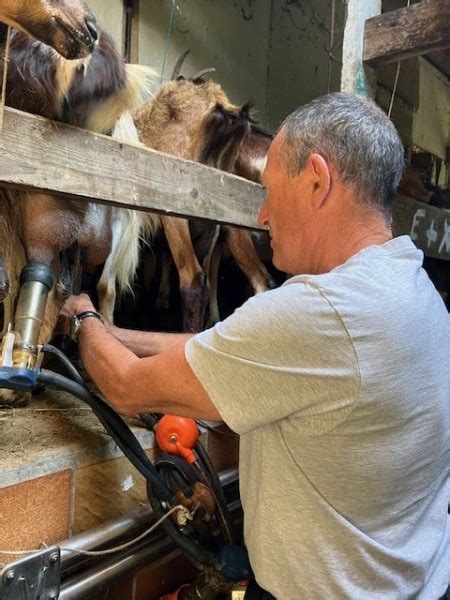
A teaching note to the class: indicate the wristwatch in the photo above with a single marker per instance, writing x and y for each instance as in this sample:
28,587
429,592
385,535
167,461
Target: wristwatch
76,321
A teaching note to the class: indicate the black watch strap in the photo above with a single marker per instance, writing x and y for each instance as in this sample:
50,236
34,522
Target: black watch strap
78,319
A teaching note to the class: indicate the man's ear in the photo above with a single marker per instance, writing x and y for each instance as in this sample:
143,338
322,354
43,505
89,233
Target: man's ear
320,174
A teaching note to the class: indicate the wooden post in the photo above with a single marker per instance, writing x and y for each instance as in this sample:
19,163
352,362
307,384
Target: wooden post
355,76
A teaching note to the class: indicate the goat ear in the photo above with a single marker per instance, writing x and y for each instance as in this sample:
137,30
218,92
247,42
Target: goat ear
247,110
215,127
218,117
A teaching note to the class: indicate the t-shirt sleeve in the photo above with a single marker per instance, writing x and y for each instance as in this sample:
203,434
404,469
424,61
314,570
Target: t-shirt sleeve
284,354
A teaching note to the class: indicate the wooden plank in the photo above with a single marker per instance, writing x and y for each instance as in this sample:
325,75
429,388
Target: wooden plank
39,154
409,31
355,77
428,226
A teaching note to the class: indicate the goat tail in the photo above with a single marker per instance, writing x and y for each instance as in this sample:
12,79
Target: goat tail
130,229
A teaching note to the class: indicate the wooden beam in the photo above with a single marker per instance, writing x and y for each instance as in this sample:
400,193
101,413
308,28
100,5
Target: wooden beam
406,32
355,77
39,154
428,226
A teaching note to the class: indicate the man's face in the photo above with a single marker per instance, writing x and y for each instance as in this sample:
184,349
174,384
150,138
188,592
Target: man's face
286,212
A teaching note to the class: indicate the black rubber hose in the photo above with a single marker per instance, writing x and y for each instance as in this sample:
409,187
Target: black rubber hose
70,368
157,491
99,402
217,488
150,419
116,426
172,463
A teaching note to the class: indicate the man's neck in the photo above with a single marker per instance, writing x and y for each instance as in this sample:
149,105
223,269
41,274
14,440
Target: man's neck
348,240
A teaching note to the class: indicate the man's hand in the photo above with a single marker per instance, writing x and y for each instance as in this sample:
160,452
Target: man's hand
74,305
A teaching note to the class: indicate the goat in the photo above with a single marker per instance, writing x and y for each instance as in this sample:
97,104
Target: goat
176,121
66,25
91,93
235,143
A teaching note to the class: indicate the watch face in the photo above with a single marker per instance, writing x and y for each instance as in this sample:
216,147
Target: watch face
74,327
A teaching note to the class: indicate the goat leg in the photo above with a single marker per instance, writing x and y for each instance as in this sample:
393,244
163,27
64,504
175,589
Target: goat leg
243,250
213,283
193,288
4,297
163,299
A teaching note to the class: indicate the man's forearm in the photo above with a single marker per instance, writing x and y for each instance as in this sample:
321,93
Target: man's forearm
147,343
148,372
162,383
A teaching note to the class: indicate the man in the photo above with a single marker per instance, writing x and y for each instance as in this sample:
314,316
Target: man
338,382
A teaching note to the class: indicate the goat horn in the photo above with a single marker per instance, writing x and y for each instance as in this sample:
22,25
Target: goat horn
202,73
179,64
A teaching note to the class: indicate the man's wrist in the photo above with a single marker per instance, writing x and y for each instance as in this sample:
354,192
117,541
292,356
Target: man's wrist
80,318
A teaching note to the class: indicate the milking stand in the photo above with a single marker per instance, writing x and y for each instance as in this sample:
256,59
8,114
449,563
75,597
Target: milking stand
182,475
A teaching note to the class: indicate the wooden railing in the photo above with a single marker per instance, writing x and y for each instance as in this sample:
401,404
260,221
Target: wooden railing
37,154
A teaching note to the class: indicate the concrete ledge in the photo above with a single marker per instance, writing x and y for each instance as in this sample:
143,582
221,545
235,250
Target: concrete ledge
54,433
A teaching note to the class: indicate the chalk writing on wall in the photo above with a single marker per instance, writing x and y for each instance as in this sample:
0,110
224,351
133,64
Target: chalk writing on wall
428,226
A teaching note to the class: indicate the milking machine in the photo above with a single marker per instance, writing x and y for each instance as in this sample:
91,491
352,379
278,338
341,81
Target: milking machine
182,475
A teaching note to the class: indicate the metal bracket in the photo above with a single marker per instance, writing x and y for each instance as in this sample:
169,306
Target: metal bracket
36,577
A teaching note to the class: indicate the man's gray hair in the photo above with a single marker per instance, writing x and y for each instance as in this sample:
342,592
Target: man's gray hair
356,136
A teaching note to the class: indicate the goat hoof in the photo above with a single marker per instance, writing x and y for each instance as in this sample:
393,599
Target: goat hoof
13,399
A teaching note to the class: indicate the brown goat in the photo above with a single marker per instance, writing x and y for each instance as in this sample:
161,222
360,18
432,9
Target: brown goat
235,143
176,121
91,93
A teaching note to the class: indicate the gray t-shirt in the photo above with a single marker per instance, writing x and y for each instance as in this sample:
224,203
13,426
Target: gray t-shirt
339,385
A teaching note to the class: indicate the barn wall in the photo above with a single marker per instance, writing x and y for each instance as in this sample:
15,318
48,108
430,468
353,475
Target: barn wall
231,36
298,63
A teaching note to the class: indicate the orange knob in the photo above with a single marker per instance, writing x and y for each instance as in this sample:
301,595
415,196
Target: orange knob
178,435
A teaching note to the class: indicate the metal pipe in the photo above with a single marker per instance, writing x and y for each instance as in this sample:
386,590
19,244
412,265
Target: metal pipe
102,576
108,534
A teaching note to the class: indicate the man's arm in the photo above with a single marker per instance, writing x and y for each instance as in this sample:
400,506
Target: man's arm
146,343
163,383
